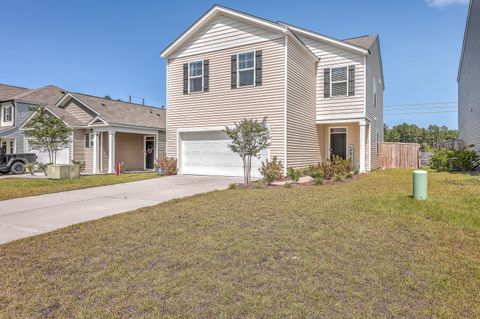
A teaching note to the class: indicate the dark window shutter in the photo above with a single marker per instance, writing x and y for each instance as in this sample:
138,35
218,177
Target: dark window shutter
205,75
258,67
234,71
185,78
87,140
326,82
351,80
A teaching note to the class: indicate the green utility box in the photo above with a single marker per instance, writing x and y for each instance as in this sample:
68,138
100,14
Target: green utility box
420,184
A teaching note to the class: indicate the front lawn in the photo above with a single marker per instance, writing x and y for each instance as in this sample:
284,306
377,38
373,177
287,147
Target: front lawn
356,249
22,187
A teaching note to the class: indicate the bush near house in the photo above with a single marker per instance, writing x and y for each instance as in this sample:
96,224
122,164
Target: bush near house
294,174
464,159
271,170
167,164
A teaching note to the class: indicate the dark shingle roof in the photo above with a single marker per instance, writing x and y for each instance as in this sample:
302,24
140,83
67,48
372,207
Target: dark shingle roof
365,41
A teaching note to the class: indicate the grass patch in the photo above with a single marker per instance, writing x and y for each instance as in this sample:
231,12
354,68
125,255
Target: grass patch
348,250
22,187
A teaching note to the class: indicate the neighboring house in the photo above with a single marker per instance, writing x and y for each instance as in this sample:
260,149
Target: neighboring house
322,96
104,130
469,79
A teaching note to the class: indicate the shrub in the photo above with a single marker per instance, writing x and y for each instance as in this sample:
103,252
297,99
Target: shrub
440,159
328,168
318,180
43,167
338,178
288,185
466,160
232,185
356,170
342,166
82,165
349,175
167,164
294,174
315,172
30,167
271,170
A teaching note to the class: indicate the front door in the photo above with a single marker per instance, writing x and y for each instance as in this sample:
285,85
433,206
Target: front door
149,152
338,144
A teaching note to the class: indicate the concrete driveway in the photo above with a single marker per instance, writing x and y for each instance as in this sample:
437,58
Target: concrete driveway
29,216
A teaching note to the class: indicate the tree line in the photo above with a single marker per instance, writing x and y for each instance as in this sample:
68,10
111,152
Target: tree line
411,133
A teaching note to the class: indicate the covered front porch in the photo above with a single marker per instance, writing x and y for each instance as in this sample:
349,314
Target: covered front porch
347,139
134,149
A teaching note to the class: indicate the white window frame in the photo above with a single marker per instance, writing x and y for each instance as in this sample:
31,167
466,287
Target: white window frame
195,77
346,81
90,140
254,68
330,129
3,112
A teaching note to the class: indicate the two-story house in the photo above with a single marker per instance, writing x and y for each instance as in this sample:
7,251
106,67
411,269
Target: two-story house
104,131
322,97
468,79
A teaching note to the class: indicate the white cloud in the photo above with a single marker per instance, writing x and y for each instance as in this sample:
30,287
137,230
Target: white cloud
444,3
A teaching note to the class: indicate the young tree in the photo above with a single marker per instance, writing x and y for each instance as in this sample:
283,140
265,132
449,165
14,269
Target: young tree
249,138
50,134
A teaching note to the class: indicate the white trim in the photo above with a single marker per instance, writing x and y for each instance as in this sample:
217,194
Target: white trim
145,151
346,81
330,40
195,77
329,139
346,120
64,99
73,146
7,142
365,86
286,106
166,109
210,15
254,69
362,147
23,128
97,118
3,109
94,153
368,160
125,130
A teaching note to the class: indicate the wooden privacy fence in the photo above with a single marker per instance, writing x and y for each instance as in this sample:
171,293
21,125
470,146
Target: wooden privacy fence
400,155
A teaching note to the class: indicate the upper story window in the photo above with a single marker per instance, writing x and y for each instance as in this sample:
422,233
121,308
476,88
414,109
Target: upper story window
246,68
339,81
7,115
195,76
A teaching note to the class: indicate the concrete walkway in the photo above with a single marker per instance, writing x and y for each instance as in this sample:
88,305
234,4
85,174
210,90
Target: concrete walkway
29,216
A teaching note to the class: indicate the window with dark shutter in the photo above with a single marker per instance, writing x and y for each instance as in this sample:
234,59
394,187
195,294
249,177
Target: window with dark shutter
234,71
326,83
185,78
206,72
258,67
351,80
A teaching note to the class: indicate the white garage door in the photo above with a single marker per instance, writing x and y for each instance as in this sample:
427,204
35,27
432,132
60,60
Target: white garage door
63,156
207,153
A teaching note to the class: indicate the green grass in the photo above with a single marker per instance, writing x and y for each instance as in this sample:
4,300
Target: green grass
22,187
361,248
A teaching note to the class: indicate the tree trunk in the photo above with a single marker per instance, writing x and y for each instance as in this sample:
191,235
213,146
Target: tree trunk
245,180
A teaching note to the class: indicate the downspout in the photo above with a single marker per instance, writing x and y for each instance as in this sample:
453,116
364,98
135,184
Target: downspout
286,101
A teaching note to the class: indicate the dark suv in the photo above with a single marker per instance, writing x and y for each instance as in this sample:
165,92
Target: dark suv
15,163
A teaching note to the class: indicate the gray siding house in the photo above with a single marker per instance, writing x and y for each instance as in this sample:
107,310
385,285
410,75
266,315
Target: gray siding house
104,131
469,79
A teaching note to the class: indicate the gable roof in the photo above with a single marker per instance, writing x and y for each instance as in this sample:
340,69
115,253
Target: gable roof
365,41
111,111
8,92
280,27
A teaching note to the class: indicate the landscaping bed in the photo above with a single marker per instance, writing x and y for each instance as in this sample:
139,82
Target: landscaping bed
360,249
22,187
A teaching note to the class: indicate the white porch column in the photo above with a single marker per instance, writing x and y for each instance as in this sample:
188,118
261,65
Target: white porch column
111,151
363,166
95,155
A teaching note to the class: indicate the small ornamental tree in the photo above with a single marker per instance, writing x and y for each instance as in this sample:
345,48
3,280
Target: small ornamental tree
50,134
249,139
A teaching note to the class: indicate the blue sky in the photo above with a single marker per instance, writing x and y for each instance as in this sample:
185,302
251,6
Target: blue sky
112,46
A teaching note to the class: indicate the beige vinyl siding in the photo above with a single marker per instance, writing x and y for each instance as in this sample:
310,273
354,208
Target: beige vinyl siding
469,81
374,114
79,111
353,138
129,150
80,152
334,108
222,33
302,141
161,144
222,105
